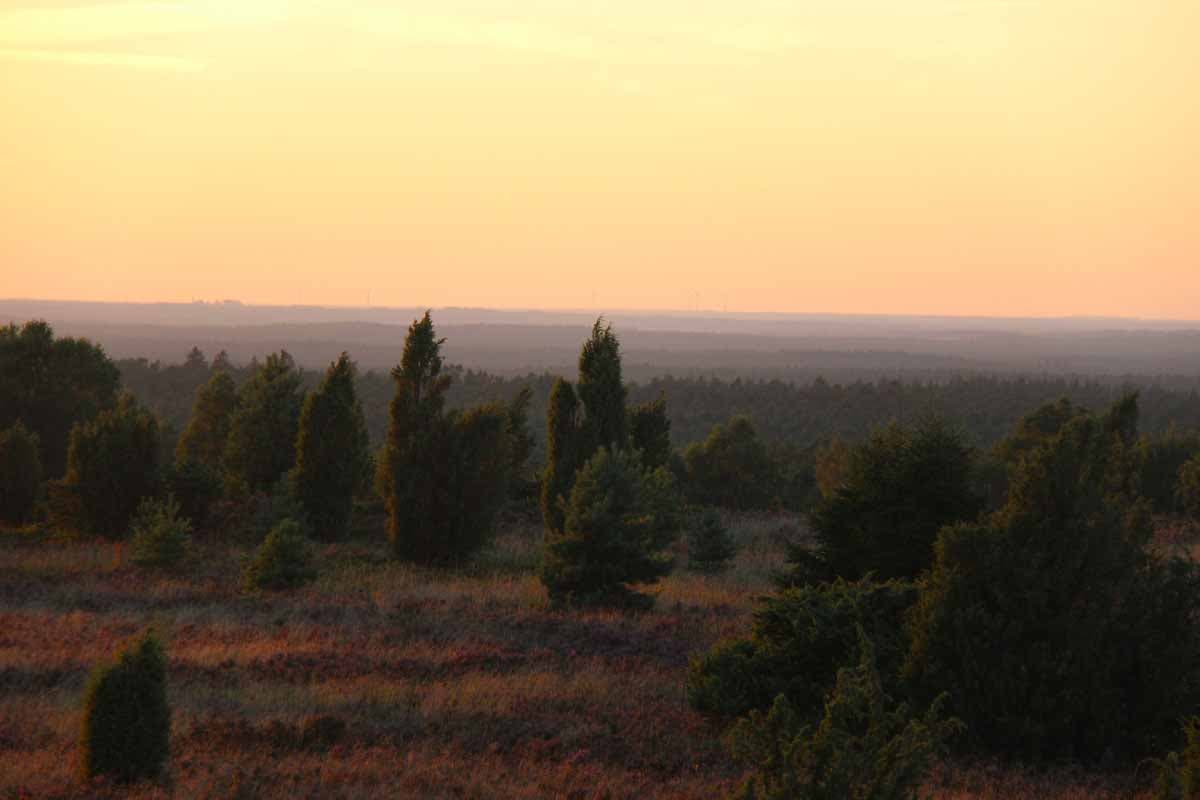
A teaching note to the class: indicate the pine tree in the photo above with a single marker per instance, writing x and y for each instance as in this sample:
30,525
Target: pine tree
616,527
126,718
262,434
331,451
112,464
20,473
204,439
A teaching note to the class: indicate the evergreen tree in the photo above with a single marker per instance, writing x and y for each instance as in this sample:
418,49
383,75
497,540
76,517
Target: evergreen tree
126,718
205,438
601,390
562,452
900,488
20,473
112,464
262,434
616,527
442,475
51,384
650,432
331,451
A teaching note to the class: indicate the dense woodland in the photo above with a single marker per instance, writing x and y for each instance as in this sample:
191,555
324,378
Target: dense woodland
992,567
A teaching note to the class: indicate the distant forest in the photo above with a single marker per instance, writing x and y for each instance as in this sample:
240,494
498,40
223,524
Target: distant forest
796,413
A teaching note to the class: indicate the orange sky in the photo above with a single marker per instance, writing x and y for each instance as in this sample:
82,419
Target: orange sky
1017,157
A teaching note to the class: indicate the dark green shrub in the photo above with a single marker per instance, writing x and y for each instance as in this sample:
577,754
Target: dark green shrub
1179,772
283,561
801,637
617,526
899,488
126,719
1053,625
710,547
731,468
112,465
20,473
864,748
161,534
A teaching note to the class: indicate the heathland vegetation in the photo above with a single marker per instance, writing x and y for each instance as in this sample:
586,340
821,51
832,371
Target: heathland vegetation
400,585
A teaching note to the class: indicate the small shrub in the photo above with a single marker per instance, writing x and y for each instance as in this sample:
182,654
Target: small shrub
801,637
321,732
1179,772
864,747
283,561
710,547
126,719
20,473
161,534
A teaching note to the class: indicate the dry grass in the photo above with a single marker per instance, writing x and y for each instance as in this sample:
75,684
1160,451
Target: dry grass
461,684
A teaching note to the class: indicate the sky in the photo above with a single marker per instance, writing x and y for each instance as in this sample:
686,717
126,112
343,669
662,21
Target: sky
960,157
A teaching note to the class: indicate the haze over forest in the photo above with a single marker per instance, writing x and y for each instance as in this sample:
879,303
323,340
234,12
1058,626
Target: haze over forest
698,342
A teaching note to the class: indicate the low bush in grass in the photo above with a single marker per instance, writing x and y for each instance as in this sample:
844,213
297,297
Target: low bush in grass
283,561
710,547
161,534
126,719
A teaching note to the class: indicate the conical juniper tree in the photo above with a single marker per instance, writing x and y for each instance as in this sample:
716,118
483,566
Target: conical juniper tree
331,451
601,389
583,418
442,475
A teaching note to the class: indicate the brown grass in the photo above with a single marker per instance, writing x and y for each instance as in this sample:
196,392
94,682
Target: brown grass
461,684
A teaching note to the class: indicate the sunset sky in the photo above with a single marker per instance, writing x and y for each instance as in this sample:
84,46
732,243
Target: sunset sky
1019,157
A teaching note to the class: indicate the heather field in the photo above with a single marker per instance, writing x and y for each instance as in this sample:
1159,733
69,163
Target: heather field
384,680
